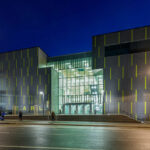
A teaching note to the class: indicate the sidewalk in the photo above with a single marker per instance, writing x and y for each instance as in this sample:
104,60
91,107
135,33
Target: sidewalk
75,123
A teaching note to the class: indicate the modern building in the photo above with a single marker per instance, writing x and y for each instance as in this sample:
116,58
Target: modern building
113,78
124,57
35,83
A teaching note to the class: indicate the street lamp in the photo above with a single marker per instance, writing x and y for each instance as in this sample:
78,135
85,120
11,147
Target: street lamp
42,93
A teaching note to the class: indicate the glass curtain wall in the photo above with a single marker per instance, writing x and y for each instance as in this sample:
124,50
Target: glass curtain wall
80,87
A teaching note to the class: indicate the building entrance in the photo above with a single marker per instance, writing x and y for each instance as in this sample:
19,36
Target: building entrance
80,87
77,108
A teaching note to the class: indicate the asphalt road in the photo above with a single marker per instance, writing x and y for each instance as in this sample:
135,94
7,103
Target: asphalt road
43,137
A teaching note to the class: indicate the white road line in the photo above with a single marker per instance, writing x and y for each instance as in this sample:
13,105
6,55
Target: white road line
37,147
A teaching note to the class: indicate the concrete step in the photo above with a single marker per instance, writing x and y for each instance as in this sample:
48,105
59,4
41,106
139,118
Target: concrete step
27,117
93,118
96,118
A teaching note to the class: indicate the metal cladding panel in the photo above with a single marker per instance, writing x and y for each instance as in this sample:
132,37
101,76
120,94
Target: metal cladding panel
20,83
125,36
98,51
112,38
98,40
127,88
139,34
148,32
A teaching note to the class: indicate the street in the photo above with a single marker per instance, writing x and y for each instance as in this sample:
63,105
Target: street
40,137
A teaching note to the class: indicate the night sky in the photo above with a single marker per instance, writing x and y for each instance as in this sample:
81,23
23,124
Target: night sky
66,26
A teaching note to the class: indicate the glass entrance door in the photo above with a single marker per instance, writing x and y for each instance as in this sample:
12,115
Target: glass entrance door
80,109
66,109
73,109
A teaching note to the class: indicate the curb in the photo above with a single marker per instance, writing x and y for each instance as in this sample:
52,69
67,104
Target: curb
88,125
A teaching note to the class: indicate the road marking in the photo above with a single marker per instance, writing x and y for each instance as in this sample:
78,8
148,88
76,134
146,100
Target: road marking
40,147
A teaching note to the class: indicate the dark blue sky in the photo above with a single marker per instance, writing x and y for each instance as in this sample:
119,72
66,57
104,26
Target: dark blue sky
66,26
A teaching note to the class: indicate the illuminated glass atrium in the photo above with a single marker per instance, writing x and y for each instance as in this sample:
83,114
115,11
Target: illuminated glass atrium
80,87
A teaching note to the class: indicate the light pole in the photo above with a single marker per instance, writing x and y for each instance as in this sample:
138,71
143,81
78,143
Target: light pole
42,93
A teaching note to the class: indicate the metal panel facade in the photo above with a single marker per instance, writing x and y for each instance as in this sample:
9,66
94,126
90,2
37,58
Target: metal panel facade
127,76
21,81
